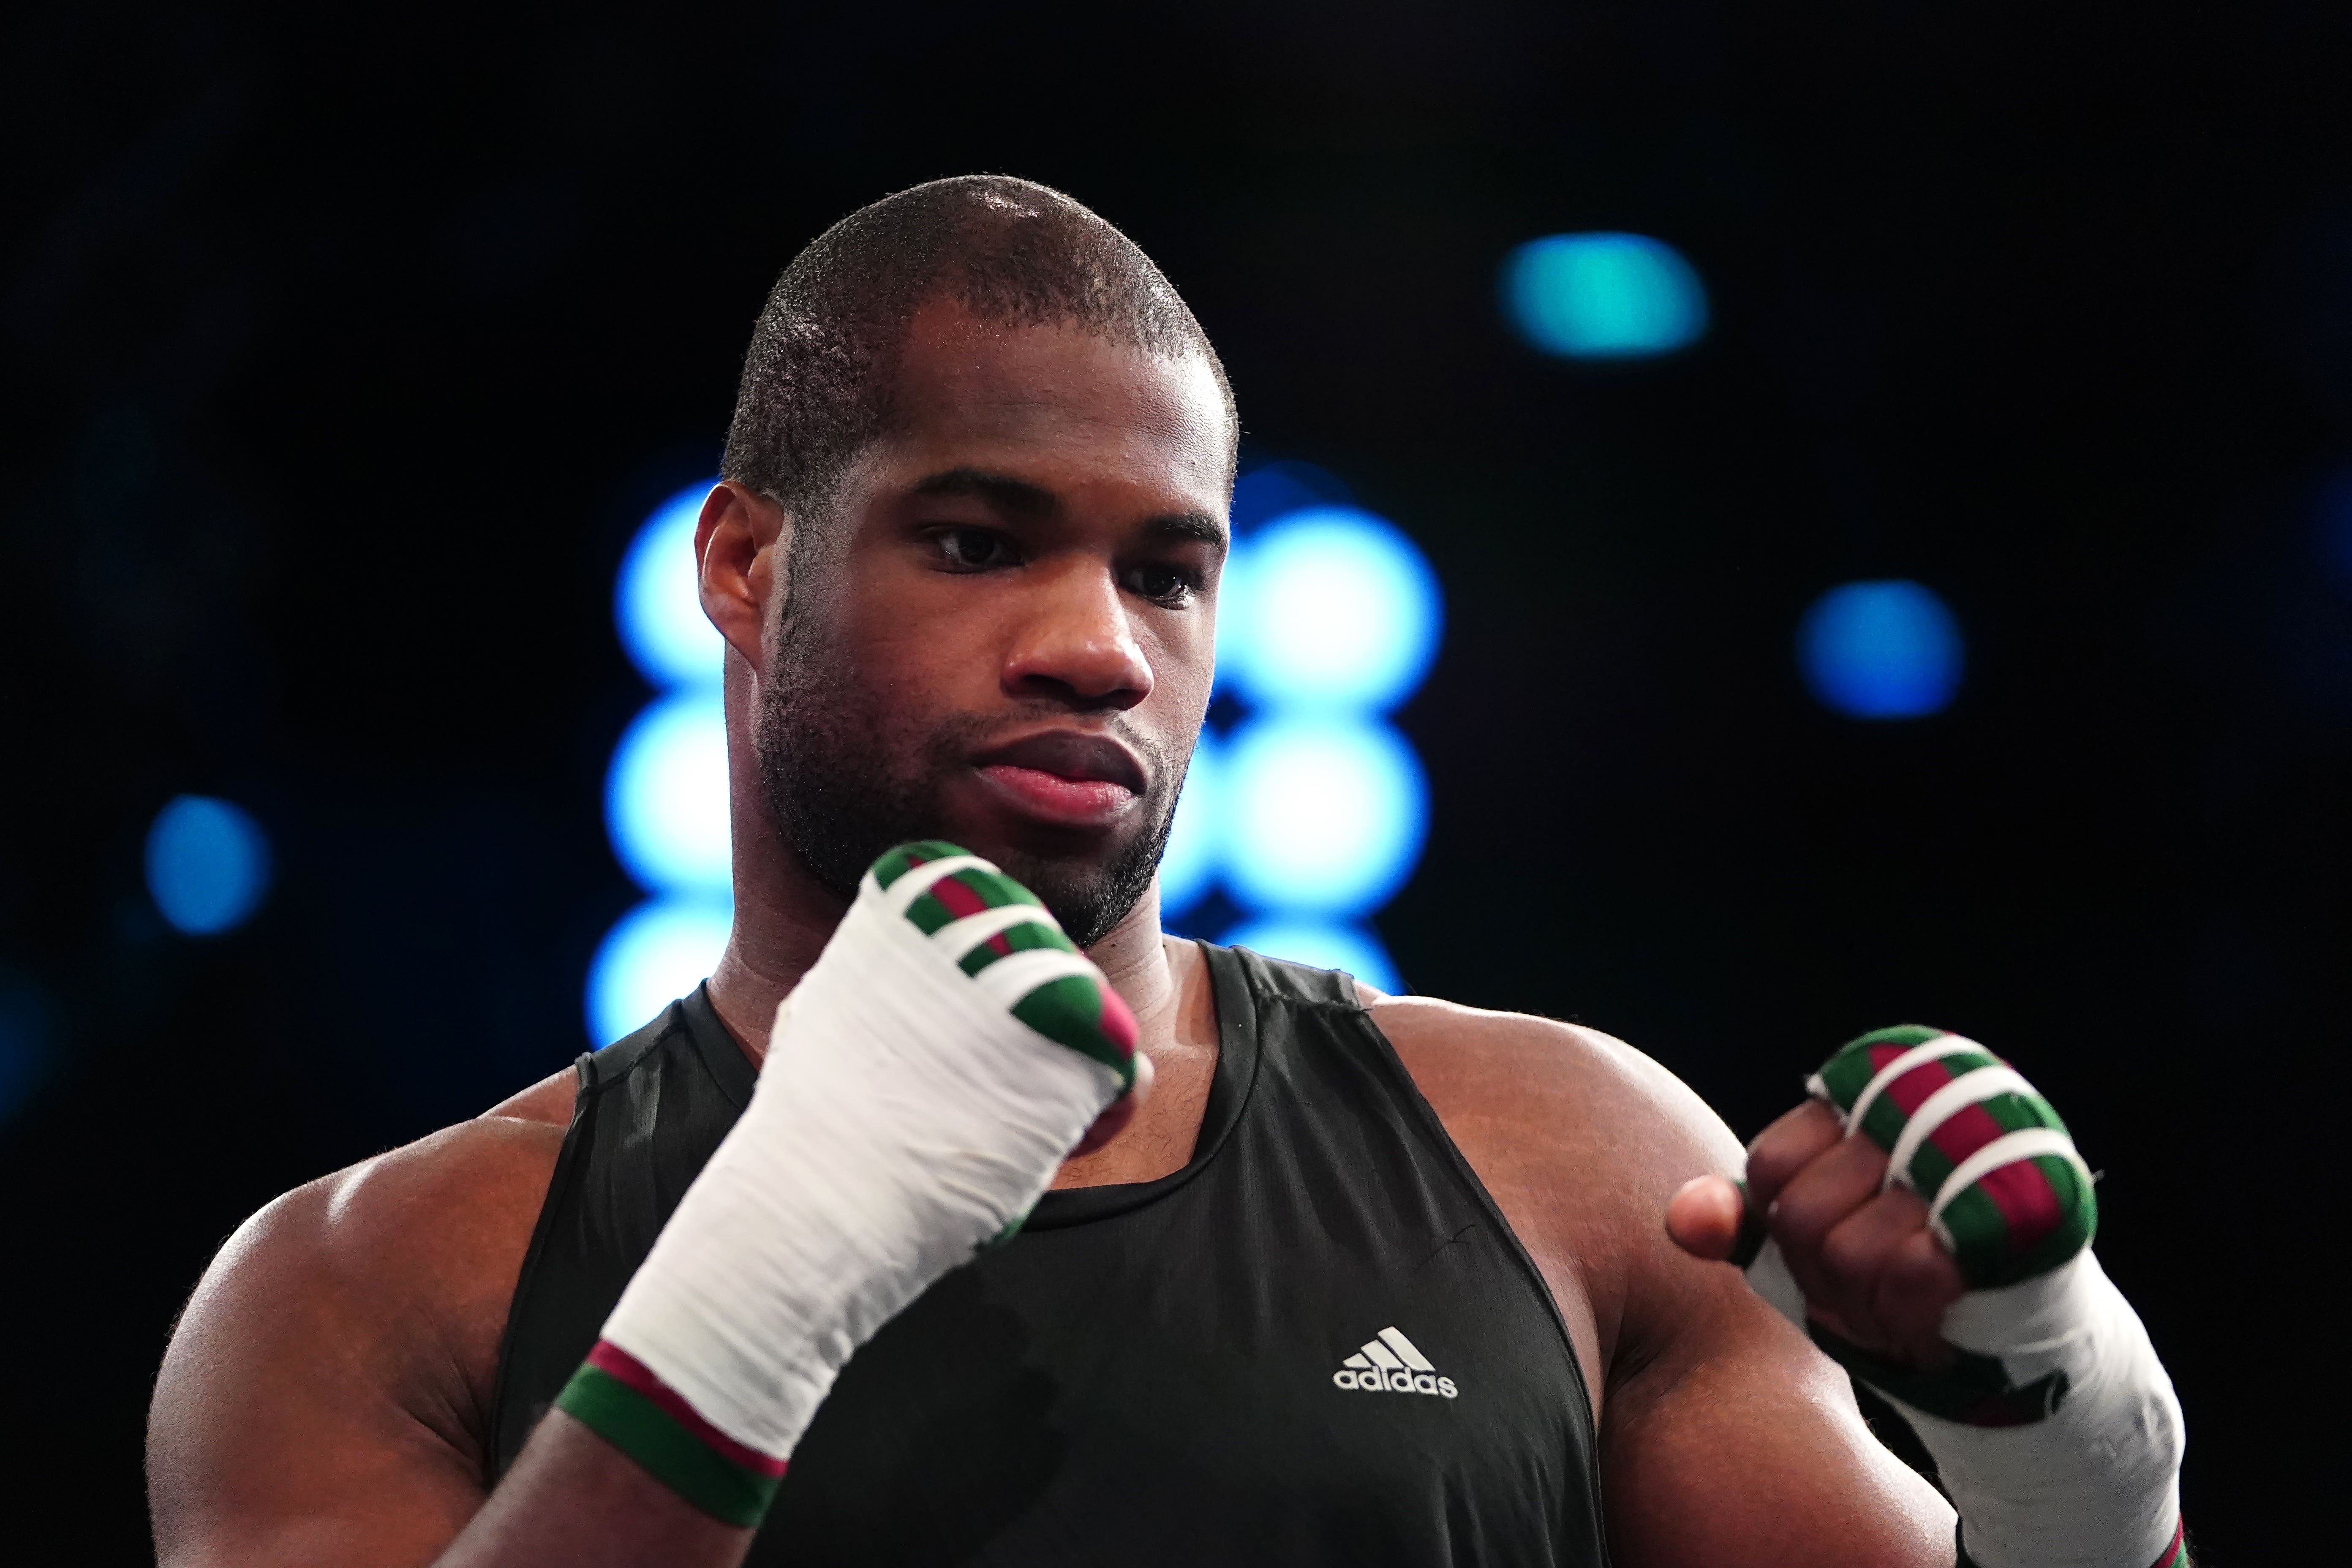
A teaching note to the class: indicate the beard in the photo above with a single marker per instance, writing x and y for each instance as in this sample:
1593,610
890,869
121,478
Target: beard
844,780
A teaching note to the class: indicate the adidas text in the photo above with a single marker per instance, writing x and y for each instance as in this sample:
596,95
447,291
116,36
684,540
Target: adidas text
1391,1363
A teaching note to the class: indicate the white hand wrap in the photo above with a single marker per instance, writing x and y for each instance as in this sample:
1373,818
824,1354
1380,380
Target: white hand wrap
2097,1482
2057,1433
903,1118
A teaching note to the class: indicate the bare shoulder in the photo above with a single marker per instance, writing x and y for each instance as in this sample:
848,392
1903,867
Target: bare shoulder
548,1100
1567,1091
351,1326
415,1243
1581,1139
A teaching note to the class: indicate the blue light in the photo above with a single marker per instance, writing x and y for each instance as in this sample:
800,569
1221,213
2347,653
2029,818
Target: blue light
2335,522
1324,817
207,864
657,952
1603,296
658,602
1189,863
1271,490
665,795
1881,650
1322,943
1329,607
27,1022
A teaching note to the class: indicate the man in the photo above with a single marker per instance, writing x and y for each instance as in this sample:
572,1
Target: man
1360,1279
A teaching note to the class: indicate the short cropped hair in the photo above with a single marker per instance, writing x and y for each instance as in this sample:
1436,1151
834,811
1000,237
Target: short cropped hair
819,376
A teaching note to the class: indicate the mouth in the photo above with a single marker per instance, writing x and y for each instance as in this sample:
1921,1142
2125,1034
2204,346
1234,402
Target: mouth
1065,777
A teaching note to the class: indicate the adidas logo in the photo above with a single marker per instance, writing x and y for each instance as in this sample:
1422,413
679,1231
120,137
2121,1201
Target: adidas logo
1390,1363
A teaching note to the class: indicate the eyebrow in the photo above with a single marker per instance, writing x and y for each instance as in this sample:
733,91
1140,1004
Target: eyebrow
1022,499
1187,527
1002,490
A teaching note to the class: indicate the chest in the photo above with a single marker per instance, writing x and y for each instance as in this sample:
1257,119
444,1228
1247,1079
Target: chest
1227,1375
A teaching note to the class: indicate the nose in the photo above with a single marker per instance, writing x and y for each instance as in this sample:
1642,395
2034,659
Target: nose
1074,644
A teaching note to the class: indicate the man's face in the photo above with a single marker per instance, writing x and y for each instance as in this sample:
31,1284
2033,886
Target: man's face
1003,634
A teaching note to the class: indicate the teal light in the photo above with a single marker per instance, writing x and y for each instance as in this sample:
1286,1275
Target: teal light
1603,296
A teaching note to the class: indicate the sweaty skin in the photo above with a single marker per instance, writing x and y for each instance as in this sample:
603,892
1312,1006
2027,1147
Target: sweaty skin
326,1397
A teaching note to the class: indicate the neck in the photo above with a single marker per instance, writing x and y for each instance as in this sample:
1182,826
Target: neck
784,919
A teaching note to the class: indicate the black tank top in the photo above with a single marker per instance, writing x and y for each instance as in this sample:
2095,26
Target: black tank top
1316,1343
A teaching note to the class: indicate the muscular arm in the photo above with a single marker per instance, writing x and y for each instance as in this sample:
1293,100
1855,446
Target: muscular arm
326,1393
1724,1436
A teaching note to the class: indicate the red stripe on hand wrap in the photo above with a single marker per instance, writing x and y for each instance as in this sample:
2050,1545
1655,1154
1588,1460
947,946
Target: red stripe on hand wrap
619,1364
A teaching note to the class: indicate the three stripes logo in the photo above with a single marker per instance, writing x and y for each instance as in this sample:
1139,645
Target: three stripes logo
1390,1363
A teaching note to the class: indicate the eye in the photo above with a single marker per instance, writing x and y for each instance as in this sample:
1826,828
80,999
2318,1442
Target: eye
973,548
1160,580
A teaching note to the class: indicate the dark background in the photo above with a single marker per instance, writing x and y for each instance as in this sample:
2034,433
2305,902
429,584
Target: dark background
343,354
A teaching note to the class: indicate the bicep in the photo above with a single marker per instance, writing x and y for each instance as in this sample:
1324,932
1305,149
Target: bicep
279,1436
1741,1443
320,1401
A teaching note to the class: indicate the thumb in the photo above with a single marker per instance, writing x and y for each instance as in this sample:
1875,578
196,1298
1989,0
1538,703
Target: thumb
1705,1217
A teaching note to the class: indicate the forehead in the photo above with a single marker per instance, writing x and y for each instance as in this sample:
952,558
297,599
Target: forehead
1057,399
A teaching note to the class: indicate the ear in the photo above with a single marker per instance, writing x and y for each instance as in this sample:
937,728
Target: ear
739,542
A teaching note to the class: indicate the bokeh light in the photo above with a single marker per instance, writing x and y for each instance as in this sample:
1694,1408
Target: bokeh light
1328,607
1274,489
28,1023
1884,649
1326,944
2334,520
1323,817
659,951
665,790
665,795
1189,865
207,864
1603,296
657,601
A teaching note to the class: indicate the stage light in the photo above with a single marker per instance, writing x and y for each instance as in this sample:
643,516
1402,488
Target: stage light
666,789
2335,509
207,864
1881,650
1324,817
1190,864
665,795
1271,490
657,601
657,952
1603,296
1324,944
27,1020
1329,607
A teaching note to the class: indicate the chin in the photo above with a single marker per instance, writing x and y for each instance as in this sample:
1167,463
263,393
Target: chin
1088,890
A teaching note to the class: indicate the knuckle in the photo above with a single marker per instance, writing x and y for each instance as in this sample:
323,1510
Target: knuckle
1926,1272
1799,1221
1849,1256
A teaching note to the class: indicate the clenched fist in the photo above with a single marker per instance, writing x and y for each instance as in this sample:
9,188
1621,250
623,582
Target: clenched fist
1922,1168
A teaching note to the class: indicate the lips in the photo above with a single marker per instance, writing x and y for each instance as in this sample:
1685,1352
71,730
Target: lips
1065,777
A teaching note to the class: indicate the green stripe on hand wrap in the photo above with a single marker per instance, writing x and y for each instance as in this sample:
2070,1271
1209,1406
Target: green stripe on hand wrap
1072,1006
1941,1107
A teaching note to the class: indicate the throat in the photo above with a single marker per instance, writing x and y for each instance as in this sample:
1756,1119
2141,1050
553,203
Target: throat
1180,1035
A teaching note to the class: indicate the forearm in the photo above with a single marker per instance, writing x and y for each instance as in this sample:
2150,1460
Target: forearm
573,1500
920,1087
